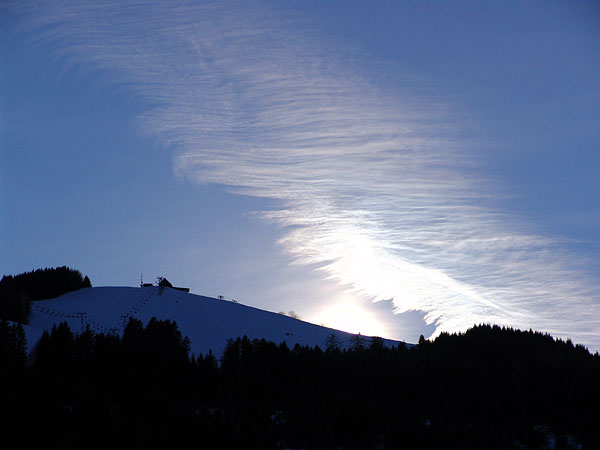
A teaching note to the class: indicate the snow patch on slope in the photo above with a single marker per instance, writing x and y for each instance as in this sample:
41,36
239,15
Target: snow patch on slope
208,322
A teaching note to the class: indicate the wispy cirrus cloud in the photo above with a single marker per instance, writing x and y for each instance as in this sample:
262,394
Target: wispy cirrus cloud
372,184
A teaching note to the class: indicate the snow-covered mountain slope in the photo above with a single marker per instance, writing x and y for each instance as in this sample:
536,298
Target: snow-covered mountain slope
208,322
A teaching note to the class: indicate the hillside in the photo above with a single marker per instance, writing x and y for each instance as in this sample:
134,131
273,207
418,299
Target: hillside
207,322
132,382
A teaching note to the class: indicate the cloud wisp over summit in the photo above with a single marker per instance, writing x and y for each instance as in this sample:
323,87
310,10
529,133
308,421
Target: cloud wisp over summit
374,186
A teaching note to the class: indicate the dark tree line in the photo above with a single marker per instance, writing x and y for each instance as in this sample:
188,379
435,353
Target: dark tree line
491,387
17,291
13,348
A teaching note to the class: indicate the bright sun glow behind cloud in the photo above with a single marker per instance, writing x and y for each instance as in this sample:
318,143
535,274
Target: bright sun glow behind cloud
373,187
370,269
347,315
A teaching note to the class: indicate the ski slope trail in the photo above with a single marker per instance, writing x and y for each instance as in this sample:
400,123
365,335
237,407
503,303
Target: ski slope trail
207,322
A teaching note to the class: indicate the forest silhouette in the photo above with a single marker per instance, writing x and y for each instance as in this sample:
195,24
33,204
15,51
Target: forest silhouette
489,387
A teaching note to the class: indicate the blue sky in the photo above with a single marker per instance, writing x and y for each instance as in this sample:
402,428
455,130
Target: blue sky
394,168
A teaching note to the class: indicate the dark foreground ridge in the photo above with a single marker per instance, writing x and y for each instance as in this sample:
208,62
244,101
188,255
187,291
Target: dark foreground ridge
489,388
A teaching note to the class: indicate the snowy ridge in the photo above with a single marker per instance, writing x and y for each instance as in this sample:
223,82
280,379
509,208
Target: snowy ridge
208,322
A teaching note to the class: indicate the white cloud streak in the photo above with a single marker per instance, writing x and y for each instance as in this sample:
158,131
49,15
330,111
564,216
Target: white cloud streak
372,185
